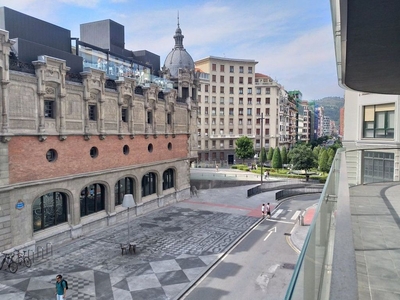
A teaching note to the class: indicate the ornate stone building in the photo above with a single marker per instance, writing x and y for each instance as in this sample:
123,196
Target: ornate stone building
73,144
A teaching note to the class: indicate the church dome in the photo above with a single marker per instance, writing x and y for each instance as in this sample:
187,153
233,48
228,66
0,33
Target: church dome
178,57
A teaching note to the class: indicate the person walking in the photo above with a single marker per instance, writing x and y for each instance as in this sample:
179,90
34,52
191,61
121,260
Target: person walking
61,288
268,208
263,210
216,168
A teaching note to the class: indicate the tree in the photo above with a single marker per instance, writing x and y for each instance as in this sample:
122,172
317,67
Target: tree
270,153
263,155
323,161
316,151
303,158
284,156
244,148
277,159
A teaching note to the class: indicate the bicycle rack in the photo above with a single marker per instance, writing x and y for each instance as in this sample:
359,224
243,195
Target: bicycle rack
51,248
33,255
38,248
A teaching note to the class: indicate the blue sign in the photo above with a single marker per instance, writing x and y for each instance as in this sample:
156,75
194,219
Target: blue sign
20,204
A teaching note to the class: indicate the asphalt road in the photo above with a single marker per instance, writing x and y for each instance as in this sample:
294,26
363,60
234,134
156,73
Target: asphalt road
261,265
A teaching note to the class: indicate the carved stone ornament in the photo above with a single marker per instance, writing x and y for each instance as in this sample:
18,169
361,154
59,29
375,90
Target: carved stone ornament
120,137
102,136
86,137
155,135
146,136
42,138
62,137
173,135
132,136
166,135
5,139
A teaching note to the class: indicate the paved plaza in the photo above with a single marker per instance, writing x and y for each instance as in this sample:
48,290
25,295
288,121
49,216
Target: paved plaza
175,245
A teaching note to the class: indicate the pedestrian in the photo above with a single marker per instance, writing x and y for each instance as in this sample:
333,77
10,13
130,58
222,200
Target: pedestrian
194,191
216,168
265,174
61,288
268,208
263,210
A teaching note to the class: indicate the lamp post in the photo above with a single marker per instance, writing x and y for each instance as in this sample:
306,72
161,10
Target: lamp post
128,202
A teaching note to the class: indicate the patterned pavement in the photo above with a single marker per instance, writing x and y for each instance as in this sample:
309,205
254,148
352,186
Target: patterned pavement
174,246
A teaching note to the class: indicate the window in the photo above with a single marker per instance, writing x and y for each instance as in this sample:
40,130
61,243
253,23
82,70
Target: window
92,199
241,80
214,99
214,67
267,100
230,100
206,144
213,111
206,121
92,112
250,80
206,99
214,78
231,111
213,121
168,179
222,79
248,121
249,111
241,69
94,152
240,121
149,184
258,121
122,187
206,88
249,101
240,100
231,122
231,79
221,100
150,148
125,149
240,111
258,91
124,115
267,111
267,132
231,69
250,70
258,131
221,89
221,112
49,210
51,155
149,117
169,119
240,131
206,156
206,111
248,130
214,89
249,91
267,90
379,121
221,121
258,111
213,144
222,68
231,90
230,143
49,109
258,100
240,91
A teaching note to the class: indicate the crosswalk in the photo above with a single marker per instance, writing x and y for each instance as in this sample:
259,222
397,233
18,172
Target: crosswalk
286,214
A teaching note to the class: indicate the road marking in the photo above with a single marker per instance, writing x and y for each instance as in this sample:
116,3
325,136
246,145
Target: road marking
279,221
296,215
270,232
278,212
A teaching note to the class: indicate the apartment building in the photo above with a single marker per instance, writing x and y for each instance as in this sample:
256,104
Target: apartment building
304,122
234,101
371,128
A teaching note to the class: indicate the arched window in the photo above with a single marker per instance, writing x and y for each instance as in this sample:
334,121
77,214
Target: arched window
92,199
49,210
122,187
149,184
168,179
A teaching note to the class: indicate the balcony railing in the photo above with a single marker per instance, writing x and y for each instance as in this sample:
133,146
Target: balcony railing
328,251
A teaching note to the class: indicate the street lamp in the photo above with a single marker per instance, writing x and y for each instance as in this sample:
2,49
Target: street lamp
128,202
261,145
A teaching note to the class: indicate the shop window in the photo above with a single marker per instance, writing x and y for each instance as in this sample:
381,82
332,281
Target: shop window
149,184
168,179
49,210
122,187
92,199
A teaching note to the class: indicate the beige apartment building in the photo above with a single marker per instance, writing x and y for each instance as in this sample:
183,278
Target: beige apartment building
234,101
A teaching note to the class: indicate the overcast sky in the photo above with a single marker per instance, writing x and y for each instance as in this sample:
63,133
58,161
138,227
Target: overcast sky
291,40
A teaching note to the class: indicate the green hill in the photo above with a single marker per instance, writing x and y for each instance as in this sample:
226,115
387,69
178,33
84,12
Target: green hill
332,106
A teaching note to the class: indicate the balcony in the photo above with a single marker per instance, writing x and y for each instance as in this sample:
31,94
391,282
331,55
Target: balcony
348,251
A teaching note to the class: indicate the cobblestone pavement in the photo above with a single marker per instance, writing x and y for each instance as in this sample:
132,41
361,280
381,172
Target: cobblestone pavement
174,246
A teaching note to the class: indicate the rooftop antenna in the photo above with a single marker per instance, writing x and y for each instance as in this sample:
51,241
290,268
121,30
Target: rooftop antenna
178,18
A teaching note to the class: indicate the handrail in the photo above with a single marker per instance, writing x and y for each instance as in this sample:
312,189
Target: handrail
38,248
51,248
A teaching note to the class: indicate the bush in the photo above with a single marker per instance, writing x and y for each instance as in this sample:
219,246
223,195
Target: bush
234,167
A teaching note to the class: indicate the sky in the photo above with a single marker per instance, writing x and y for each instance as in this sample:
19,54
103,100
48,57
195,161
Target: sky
292,40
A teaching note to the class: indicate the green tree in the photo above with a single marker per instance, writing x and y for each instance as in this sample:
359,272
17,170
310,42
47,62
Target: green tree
244,148
277,159
270,153
323,161
302,158
331,156
284,156
316,151
263,155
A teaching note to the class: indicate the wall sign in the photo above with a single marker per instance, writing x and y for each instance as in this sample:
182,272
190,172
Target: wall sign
20,204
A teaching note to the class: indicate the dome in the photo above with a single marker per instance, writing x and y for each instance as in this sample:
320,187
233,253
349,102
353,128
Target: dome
178,57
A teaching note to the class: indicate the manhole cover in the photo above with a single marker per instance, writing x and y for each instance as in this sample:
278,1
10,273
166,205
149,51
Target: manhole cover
288,266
